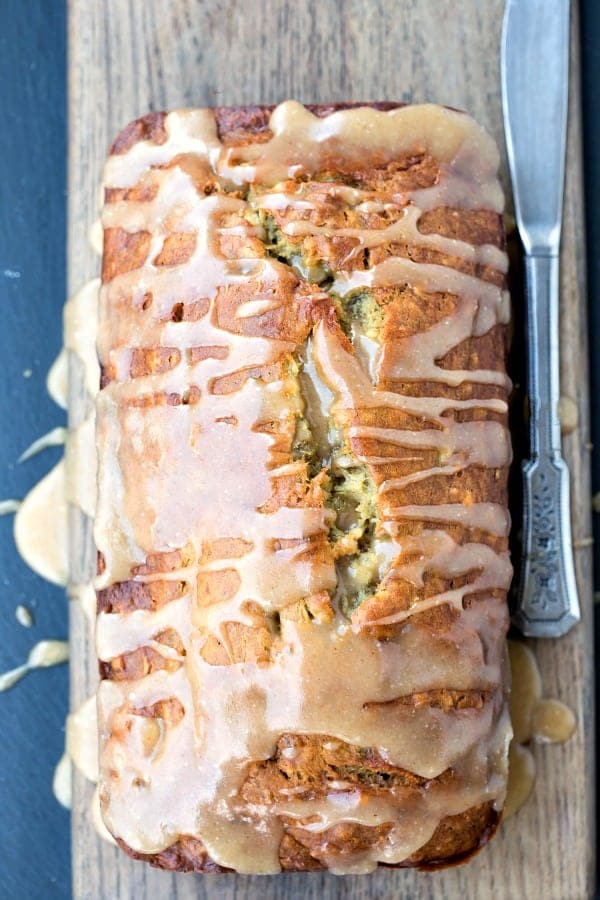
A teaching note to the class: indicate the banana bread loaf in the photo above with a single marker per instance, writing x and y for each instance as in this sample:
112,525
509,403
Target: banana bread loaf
302,525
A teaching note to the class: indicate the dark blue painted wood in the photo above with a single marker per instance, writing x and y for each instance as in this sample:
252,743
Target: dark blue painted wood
590,44
590,47
34,854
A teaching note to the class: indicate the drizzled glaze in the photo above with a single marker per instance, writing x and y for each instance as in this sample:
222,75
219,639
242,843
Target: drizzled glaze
405,228
534,718
57,379
80,325
41,656
81,751
40,527
185,490
53,438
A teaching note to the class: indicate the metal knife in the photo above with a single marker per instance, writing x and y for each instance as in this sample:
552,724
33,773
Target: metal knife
535,72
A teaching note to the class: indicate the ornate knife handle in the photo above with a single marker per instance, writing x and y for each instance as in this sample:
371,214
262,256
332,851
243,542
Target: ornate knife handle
548,605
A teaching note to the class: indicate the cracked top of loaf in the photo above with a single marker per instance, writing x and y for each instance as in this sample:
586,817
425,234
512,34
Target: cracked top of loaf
302,523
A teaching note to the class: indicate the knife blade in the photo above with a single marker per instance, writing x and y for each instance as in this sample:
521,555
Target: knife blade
535,70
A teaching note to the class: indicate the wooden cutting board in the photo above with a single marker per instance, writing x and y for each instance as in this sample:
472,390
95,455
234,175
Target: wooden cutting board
131,56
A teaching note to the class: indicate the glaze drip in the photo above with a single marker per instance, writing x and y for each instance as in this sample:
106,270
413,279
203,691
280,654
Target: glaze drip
226,372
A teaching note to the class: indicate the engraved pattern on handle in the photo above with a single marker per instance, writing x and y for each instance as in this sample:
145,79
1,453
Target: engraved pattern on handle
548,597
548,605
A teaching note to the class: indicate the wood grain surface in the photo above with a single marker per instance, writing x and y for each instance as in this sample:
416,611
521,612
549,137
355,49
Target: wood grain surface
130,56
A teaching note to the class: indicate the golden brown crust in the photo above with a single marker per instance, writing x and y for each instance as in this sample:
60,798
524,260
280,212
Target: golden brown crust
233,123
150,127
456,840
405,311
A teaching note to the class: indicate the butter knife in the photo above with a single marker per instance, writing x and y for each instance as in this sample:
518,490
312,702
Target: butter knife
535,71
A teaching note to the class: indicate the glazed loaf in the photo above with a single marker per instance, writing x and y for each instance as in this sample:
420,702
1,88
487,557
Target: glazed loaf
302,525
